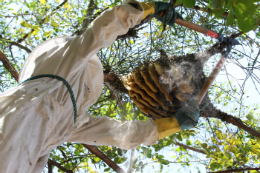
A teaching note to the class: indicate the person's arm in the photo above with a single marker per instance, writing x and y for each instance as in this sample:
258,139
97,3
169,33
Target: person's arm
125,135
130,134
107,27
61,56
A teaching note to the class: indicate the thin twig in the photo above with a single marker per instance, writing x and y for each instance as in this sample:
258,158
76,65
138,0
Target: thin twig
54,163
190,148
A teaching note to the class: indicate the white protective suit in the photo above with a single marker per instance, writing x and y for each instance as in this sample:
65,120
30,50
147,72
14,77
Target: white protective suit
37,116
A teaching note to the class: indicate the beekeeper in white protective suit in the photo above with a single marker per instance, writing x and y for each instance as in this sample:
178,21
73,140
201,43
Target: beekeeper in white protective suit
37,116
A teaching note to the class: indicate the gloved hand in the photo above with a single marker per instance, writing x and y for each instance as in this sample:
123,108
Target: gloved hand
153,8
149,8
186,117
169,16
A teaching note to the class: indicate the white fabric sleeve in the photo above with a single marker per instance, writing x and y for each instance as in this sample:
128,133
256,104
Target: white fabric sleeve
107,131
106,28
66,55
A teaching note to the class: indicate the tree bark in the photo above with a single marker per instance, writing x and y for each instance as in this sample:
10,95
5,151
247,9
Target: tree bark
9,66
52,162
212,112
115,94
21,46
102,156
49,167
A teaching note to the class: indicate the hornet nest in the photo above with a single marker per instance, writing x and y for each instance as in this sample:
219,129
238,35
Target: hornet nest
159,88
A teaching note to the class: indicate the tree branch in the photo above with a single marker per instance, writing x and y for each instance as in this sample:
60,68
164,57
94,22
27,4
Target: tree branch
115,94
16,44
49,167
190,148
21,46
9,66
94,149
130,169
236,170
52,162
62,152
212,112
132,32
92,6
87,20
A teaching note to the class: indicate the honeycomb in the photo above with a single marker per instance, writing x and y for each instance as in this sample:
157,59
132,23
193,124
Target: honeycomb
161,87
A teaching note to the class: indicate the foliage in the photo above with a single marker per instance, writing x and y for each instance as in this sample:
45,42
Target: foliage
213,144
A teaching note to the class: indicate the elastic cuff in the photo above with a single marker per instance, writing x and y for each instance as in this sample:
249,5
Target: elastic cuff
149,8
167,126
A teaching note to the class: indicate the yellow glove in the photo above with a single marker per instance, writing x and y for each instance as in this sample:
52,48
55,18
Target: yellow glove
167,126
149,8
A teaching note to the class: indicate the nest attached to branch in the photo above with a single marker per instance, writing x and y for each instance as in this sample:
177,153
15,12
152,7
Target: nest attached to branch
159,88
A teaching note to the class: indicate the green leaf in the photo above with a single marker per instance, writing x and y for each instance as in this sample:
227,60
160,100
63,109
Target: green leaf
43,2
123,159
245,160
95,159
54,24
228,4
230,17
47,34
169,142
218,12
149,155
178,2
215,165
131,41
204,145
25,24
36,28
243,8
226,147
250,117
234,150
66,5
219,134
56,19
68,166
106,170
215,4
189,3
77,153
119,151
164,162
179,137
188,142
246,24
214,140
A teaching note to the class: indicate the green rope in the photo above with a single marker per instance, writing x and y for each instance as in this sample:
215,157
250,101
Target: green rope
66,84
